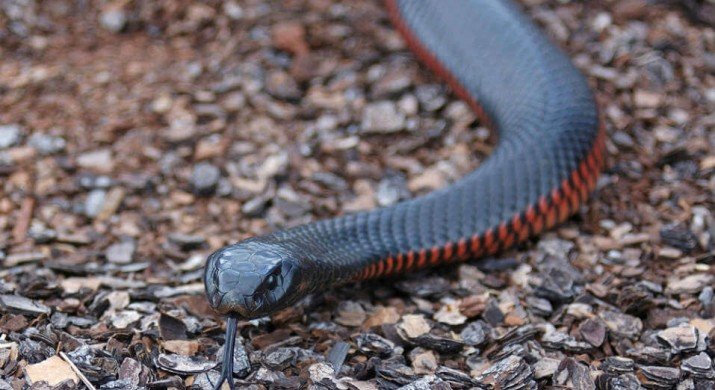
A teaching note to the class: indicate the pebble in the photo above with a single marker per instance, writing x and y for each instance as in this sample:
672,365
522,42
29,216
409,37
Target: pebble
681,338
281,85
254,206
46,144
431,96
320,371
623,325
204,178
274,165
350,313
414,325
94,203
113,19
121,253
382,117
233,10
449,314
659,376
179,364
9,135
474,334
100,160
700,366
691,284
391,190
373,344
423,361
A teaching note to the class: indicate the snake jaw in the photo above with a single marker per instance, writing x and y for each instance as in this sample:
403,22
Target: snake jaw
251,278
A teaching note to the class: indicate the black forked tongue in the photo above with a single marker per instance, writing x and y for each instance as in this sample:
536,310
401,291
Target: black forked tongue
227,364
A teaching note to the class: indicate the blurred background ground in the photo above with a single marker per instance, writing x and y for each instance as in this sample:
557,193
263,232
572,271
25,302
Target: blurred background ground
136,137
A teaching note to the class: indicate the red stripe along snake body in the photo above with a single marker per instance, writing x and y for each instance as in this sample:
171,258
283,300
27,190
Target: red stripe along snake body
547,160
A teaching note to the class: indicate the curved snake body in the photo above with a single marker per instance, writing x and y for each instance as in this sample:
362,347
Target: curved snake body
547,160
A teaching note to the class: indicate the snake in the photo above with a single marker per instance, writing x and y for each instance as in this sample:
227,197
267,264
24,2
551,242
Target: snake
549,153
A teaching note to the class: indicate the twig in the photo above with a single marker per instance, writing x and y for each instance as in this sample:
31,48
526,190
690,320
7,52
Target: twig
19,233
78,372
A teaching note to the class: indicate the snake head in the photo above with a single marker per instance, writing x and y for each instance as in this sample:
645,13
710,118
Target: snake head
252,278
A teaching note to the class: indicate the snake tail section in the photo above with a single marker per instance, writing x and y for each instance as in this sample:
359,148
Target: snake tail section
547,160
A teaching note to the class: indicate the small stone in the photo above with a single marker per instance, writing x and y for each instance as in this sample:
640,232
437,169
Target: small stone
46,144
113,19
97,160
573,375
280,358
179,364
414,325
204,178
449,314
593,332
646,99
121,253
350,313
423,361
431,96
233,10
681,338
125,318
273,166
545,367
474,334
290,36
132,372
53,371
617,365
691,284
254,206
700,366
370,343
181,347
23,258
511,372
320,371
430,179
9,135
382,315
382,117
623,325
94,203
281,85
658,376
391,190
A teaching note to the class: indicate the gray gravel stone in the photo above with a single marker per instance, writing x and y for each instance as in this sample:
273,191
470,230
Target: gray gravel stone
46,144
113,20
9,135
204,178
94,203
121,253
382,117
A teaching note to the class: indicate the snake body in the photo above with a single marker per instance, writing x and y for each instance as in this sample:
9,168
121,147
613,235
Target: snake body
546,162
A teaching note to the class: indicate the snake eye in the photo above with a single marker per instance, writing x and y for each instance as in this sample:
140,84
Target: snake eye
271,281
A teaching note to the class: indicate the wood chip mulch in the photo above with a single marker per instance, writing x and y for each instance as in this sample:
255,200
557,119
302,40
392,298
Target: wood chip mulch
136,137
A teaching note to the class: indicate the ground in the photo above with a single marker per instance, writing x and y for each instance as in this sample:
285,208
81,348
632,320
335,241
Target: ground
137,137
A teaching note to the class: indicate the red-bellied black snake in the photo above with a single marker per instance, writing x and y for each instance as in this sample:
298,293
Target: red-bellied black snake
547,160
